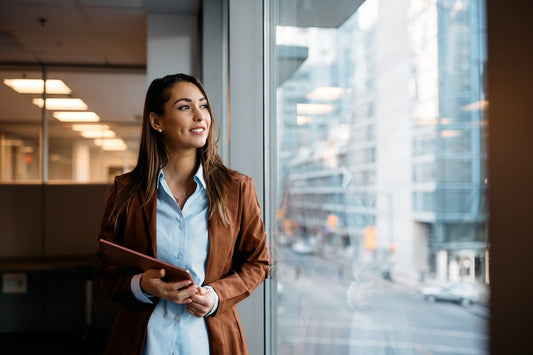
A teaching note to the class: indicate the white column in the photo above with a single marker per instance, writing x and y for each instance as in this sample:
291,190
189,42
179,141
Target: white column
5,160
81,162
454,269
442,265
472,266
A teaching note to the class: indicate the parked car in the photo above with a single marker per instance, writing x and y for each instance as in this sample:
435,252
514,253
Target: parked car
302,247
462,292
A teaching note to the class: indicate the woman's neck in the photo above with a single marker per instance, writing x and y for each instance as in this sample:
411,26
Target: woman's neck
180,170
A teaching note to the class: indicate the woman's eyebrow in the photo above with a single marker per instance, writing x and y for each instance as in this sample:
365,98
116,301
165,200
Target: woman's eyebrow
186,99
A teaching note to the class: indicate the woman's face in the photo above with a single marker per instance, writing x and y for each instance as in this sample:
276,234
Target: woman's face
186,121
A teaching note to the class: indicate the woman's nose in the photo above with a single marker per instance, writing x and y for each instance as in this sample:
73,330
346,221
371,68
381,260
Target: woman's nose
199,114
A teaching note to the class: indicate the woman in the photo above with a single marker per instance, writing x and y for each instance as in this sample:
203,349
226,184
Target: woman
182,205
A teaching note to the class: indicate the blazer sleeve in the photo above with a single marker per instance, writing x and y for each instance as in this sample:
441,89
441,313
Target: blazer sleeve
112,281
250,261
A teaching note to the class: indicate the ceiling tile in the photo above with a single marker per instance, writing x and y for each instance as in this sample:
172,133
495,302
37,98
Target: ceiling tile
69,58
25,18
21,56
129,50
111,21
59,43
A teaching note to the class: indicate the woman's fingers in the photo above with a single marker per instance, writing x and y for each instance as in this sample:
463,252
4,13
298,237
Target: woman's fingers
181,293
177,292
150,279
202,302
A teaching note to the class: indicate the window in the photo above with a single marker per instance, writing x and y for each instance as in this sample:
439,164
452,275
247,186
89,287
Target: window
87,144
380,240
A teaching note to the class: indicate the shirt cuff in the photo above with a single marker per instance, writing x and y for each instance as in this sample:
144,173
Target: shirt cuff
137,291
215,305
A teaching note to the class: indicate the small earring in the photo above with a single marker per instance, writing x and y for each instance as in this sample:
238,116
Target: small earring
160,130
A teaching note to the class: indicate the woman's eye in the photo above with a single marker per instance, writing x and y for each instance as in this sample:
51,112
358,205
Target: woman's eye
183,107
206,106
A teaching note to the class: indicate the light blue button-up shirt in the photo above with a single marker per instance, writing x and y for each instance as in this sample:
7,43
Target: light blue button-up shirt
182,240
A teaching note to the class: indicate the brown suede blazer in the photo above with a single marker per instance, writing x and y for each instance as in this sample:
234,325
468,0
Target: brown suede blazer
237,263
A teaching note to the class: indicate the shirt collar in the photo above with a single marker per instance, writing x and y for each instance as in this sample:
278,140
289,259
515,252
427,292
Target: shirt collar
198,176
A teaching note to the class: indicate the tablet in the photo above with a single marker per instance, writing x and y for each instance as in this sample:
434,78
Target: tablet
123,257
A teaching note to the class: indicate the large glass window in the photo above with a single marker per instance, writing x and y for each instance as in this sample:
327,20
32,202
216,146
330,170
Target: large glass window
380,238
88,143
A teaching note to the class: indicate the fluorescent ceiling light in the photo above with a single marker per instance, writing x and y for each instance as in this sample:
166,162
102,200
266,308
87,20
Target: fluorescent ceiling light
75,116
313,109
101,142
98,134
115,147
111,144
61,104
94,130
36,86
89,127
325,93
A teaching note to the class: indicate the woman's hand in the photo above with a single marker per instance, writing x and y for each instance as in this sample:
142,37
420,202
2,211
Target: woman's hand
177,292
202,302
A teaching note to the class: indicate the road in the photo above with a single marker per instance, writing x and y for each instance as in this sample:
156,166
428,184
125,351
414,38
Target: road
319,313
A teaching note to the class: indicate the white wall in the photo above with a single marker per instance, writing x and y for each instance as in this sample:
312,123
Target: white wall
214,65
171,45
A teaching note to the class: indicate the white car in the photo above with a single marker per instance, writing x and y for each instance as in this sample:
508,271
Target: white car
462,292
302,247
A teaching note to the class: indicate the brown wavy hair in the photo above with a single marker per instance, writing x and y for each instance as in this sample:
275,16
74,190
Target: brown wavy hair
153,155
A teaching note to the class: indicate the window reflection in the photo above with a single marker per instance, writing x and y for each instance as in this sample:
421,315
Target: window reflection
381,165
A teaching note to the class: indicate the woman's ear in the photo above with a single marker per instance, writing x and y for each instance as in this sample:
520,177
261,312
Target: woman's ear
154,122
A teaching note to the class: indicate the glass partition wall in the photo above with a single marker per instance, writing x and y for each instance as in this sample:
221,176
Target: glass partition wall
59,150
379,240
86,132
20,131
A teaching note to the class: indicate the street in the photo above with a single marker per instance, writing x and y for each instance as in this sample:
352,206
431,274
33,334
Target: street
323,310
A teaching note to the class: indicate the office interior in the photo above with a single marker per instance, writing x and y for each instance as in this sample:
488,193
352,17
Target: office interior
54,173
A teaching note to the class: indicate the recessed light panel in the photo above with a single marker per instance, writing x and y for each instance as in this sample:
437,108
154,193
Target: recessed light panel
61,104
75,116
36,86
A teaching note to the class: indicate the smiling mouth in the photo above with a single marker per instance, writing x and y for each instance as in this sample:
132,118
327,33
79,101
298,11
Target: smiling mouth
198,130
